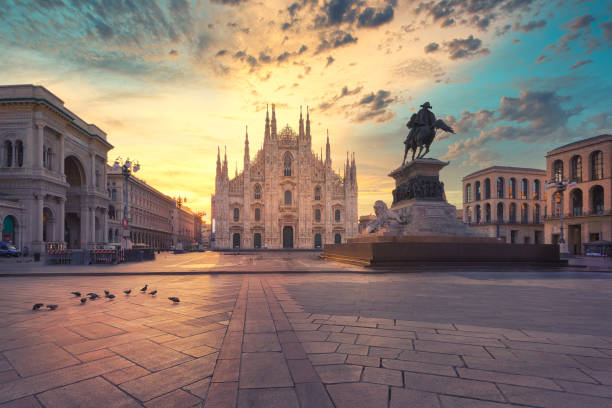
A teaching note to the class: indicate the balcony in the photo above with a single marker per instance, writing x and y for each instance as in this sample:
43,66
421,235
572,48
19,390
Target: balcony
597,213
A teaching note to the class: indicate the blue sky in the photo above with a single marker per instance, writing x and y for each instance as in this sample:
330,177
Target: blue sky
169,81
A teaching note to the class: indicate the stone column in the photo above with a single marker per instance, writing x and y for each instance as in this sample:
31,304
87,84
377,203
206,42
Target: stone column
93,171
92,225
40,141
61,159
30,148
84,226
61,219
105,224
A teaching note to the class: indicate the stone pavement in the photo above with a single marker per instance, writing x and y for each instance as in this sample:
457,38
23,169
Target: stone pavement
325,340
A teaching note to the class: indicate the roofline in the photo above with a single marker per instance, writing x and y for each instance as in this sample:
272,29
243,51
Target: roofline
578,142
504,168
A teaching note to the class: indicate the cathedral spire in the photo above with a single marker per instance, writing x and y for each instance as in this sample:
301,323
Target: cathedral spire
307,123
273,122
354,171
225,173
267,134
301,124
327,152
247,157
218,172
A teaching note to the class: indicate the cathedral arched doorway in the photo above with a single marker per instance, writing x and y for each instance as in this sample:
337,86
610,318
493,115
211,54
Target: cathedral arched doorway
257,240
75,174
236,240
317,241
72,231
288,237
337,239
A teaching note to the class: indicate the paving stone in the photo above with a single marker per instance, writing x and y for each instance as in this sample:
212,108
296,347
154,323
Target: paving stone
368,361
95,355
339,373
4,364
604,377
382,376
331,328
8,376
358,349
267,398
476,341
227,370
555,348
151,356
264,370
450,385
327,358
586,389
450,348
39,359
164,338
342,337
551,399
433,358
177,328
96,330
313,395
385,352
93,393
27,402
125,374
305,326
513,379
429,325
175,399
164,381
595,363
402,334
419,367
571,339
259,326
379,341
359,395
107,342
287,337
319,346
257,342
61,336
222,395
294,351
302,371
403,398
200,351
199,388
212,339
312,336
458,402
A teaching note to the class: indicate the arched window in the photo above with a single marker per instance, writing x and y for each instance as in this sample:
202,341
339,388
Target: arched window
576,202
257,194
288,198
468,193
287,165
524,213
500,213
478,215
536,189
488,213
317,193
257,214
317,215
576,169
337,215
558,170
477,191
512,212
236,214
524,189
597,199
337,239
19,152
8,153
597,165
512,191
500,187
536,214
487,192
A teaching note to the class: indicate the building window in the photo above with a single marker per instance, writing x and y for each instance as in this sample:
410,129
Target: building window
477,190
576,200
536,214
8,153
317,215
500,213
556,210
478,215
597,165
576,169
337,239
114,194
597,199
236,214
500,187
317,241
512,191
19,152
468,214
468,193
257,214
536,189
317,193
287,165
488,213
49,155
487,193
111,212
512,212
524,189
558,171
524,213
257,240
513,236
288,198
257,194
337,215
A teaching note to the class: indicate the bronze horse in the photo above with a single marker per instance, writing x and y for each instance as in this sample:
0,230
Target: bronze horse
422,136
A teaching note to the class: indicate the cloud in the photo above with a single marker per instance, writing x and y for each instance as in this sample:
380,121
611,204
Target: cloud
372,17
173,53
580,63
336,39
465,47
229,2
431,47
606,29
221,53
580,22
374,107
530,26
325,105
330,60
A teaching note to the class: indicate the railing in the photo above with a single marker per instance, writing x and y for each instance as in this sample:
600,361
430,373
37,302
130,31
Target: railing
505,222
581,214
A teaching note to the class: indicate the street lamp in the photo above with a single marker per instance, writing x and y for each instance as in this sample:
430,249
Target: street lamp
126,170
561,186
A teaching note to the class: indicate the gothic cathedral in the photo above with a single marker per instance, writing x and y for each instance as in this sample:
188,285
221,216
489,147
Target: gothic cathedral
287,197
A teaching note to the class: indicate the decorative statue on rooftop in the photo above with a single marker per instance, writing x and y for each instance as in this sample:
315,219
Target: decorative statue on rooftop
423,126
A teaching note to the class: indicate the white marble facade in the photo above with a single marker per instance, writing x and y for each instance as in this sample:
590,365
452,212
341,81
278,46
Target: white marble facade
287,197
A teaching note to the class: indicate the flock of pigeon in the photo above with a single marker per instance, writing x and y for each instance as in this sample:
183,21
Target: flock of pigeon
107,294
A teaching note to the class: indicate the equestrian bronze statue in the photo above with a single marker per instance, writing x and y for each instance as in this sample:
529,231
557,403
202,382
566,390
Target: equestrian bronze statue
423,126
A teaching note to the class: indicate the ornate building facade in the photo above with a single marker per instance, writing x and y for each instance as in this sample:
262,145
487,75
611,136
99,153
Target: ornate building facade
287,197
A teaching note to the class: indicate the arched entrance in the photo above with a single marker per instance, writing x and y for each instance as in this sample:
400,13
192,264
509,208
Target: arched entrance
287,237
9,229
75,226
337,239
257,240
317,241
236,240
48,225
72,231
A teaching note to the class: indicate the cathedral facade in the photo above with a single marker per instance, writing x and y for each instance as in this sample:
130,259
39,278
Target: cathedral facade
287,197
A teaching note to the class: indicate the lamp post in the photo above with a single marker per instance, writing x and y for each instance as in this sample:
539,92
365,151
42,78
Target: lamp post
561,186
126,170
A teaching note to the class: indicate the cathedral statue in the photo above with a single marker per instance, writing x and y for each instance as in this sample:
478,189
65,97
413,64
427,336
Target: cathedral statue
384,218
423,126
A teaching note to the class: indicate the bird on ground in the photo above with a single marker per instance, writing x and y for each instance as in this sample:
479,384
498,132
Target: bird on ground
174,299
93,296
83,300
37,306
127,292
51,307
153,293
145,288
106,292
111,296
77,294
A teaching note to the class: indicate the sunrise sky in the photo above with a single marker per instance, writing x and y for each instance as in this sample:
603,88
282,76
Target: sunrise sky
169,81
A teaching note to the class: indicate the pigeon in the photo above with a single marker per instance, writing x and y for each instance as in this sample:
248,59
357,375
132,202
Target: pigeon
153,293
127,292
174,299
111,296
77,294
93,296
83,300
51,307
106,293
145,288
37,306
